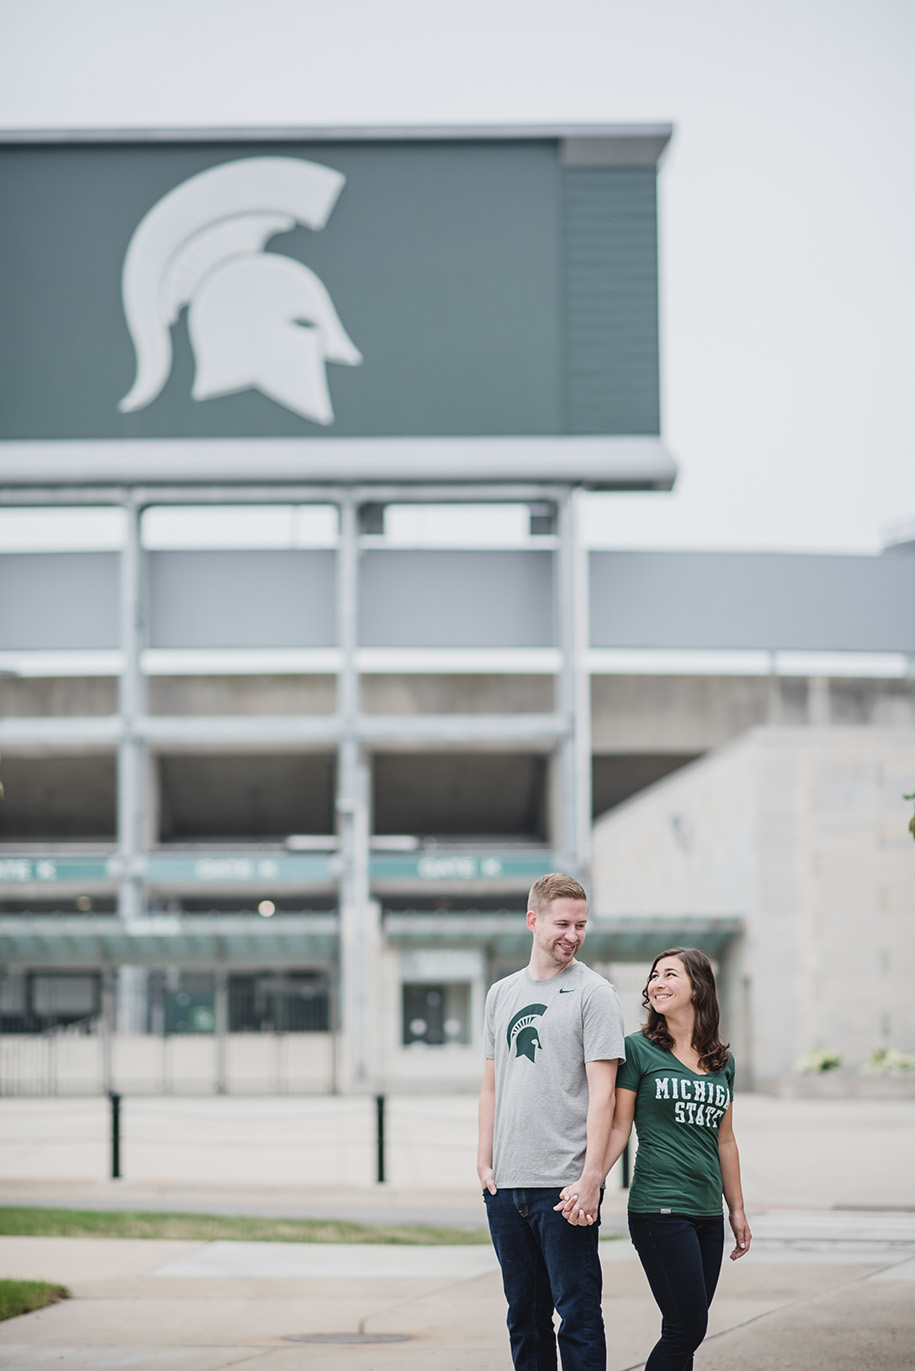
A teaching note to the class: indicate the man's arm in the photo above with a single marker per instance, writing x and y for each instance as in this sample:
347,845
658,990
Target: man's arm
586,1190
623,1111
487,1117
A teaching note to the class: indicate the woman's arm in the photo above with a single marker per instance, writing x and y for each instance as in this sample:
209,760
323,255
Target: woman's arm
620,1129
730,1182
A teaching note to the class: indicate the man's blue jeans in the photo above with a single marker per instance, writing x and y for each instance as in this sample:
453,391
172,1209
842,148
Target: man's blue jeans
547,1263
681,1256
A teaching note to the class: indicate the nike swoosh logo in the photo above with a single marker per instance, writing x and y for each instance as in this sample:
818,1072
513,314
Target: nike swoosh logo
567,992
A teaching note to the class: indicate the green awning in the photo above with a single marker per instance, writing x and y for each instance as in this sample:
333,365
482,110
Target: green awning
624,939
241,941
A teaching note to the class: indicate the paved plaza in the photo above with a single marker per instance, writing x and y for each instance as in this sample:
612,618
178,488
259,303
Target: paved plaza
829,1283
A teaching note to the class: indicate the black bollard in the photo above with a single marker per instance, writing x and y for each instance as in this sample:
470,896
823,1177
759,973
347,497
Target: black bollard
379,1136
115,1136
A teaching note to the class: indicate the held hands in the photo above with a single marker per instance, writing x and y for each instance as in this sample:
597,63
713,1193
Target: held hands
738,1221
579,1204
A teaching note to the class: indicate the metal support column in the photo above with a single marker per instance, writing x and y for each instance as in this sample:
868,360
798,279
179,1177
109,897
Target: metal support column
131,806
574,690
380,1143
115,1101
352,811
581,635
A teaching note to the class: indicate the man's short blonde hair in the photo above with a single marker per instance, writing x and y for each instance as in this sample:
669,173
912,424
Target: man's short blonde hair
554,886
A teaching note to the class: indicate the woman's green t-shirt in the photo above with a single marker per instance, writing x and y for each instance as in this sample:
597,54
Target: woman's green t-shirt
677,1113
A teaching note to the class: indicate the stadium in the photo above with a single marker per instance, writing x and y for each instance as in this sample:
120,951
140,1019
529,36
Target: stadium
279,763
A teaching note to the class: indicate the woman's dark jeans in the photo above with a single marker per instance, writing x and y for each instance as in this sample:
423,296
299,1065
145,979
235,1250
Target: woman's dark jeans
547,1263
682,1260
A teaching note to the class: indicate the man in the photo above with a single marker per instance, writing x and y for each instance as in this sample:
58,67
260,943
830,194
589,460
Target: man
552,1040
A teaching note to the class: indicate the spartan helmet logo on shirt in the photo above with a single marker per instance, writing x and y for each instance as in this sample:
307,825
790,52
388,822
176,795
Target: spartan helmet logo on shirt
255,319
522,1031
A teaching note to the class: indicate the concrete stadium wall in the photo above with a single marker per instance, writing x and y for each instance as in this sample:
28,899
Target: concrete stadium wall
804,834
435,597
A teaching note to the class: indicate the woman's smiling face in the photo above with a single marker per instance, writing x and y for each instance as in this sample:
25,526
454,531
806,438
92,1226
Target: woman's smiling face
669,986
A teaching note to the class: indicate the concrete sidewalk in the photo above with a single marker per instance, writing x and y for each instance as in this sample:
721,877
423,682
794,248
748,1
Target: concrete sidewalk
829,1284
203,1307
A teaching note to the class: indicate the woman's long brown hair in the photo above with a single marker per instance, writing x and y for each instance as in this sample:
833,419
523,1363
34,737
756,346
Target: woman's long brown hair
707,1040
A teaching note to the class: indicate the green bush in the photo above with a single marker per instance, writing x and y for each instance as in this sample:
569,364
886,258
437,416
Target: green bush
887,1061
818,1061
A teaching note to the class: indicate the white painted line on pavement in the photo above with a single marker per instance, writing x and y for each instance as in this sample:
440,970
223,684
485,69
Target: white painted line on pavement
902,1271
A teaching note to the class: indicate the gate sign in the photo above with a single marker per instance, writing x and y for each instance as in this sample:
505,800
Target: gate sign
331,306
212,868
26,870
461,866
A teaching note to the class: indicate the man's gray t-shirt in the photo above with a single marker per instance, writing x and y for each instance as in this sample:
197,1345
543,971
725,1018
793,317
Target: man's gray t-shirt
540,1034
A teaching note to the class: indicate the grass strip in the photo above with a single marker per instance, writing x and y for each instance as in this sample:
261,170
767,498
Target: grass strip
90,1223
24,1297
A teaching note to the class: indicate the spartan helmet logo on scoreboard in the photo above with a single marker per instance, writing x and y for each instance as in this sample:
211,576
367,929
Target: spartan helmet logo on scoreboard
255,319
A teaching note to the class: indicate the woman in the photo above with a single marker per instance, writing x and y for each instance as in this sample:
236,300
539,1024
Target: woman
677,1084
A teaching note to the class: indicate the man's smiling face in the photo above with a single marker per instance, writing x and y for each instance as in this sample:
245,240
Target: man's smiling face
559,931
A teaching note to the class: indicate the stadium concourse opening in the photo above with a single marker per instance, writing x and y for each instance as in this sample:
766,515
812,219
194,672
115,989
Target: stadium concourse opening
69,796
244,796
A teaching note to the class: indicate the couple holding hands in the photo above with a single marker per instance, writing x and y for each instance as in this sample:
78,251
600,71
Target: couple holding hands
562,1088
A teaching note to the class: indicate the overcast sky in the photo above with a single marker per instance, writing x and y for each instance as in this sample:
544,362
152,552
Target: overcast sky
787,202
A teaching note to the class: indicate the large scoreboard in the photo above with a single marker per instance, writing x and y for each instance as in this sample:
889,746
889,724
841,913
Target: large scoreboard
331,305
